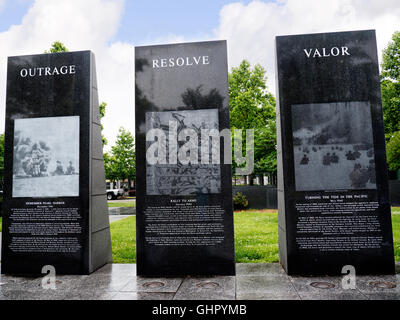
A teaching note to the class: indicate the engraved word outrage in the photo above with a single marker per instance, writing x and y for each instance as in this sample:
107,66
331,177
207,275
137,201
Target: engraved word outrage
47,71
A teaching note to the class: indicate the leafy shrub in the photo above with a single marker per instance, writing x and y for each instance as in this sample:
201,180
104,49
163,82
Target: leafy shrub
240,201
393,152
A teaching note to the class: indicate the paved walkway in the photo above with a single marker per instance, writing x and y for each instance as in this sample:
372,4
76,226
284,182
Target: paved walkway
121,211
266,281
113,218
253,281
122,200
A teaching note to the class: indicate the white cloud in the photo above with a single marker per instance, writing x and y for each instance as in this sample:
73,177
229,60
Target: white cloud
80,25
251,29
170,38
176,38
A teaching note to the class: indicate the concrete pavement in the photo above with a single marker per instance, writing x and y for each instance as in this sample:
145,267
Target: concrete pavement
261,281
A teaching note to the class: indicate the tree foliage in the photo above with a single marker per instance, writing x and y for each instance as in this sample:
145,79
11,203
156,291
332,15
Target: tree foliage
391,59
102,108
57,46
109,167
253,107
265,149
393,152
390,84
120,163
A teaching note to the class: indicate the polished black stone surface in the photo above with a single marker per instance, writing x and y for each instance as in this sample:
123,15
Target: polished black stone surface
55,209
184,212
333,198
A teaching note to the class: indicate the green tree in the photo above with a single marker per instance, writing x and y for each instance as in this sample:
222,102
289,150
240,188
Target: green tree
57,46
393,152
390,84
102,108
265,155
120,164
110,167
253,107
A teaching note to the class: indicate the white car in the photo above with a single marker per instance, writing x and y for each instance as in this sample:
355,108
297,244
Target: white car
114,193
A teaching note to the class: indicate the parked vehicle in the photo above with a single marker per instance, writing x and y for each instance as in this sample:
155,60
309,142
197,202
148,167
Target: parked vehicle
114,193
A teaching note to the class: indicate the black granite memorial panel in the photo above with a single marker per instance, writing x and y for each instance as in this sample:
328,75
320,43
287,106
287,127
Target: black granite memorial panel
184,210
334,206
55,213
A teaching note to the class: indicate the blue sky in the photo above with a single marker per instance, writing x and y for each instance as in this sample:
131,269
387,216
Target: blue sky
110,28
142,21
12,12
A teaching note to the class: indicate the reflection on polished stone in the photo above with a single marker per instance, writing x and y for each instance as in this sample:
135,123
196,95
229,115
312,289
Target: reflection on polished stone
184,187
55,207
333,196
264,281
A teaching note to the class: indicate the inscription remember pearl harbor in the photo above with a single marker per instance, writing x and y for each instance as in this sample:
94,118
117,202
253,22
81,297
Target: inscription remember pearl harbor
333,198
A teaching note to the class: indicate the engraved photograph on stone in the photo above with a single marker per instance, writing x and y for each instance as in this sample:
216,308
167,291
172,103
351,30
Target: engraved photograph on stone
333,146
46,157
177,178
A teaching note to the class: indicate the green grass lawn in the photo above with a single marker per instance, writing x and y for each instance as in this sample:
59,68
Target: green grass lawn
256,237
123,238
124,204
1,224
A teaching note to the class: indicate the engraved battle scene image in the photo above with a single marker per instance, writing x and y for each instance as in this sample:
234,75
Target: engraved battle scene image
333,146
46,157
177,178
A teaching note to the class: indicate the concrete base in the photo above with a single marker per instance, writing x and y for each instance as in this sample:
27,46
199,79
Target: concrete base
253,282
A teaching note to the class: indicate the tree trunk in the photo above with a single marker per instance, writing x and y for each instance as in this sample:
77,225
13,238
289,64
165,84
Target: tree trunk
275,179
261,177
251,180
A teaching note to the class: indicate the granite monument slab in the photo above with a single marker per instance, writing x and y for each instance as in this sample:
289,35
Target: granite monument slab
55,207
333,197
184,199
